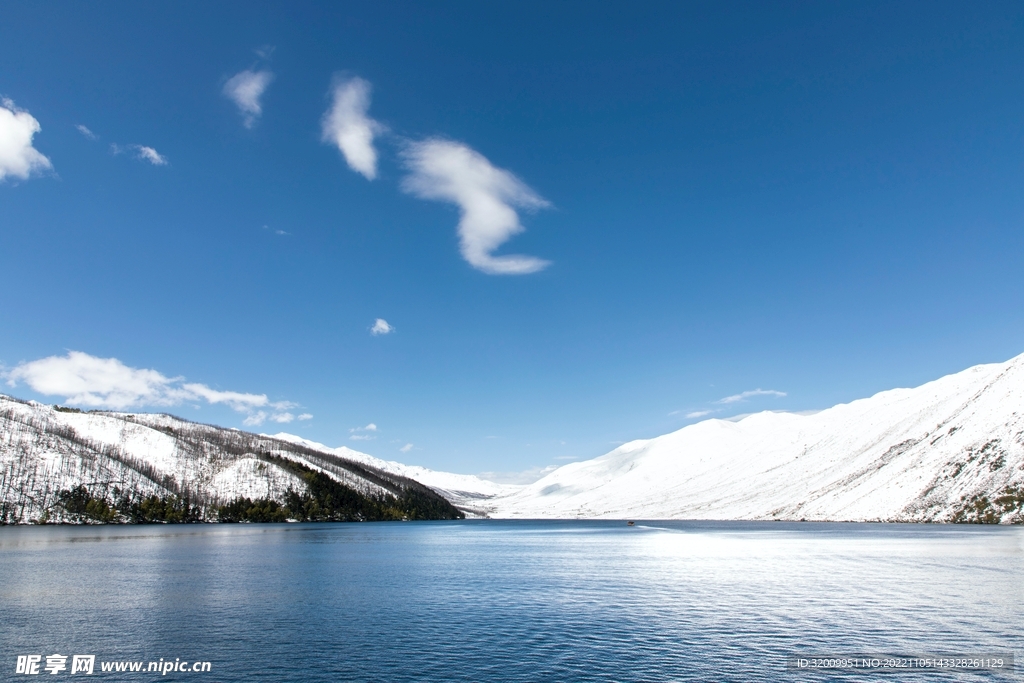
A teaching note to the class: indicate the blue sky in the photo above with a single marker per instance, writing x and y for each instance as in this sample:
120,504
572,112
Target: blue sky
814,201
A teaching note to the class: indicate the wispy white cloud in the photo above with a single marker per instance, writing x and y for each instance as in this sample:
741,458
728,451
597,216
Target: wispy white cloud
366,433
255,419
305,416
245,89
18,158
85,131
347,125
238,401
448,171
149,154
743,396
142,152
381,326
85,380
699,413
406,448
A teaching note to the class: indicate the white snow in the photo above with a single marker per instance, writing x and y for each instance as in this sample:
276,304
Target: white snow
905,454
252,478
44,451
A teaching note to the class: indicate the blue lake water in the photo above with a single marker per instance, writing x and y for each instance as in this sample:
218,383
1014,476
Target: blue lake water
510,601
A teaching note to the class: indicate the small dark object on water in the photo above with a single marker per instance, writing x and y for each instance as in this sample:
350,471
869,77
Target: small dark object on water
630,523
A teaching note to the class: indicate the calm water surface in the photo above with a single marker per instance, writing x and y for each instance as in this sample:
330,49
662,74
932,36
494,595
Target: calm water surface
510,601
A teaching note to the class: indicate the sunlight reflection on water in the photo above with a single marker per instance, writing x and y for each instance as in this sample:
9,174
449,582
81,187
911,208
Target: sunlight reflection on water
512,601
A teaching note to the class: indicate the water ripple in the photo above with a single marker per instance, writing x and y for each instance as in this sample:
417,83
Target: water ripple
512,601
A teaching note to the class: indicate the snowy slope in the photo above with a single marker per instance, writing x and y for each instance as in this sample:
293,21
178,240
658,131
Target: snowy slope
907,454
465,491
44,450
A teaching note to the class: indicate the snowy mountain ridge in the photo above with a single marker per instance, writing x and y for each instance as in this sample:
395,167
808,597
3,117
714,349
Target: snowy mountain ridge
46,450
949,450
466,491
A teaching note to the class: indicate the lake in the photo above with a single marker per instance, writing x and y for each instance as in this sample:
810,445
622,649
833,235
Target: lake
516,601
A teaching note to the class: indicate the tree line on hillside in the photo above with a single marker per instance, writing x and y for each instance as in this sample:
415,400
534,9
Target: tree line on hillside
126,508
324,500
327,500
143,494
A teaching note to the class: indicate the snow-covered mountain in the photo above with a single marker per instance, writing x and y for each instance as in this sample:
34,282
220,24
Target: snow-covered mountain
952,449
45,450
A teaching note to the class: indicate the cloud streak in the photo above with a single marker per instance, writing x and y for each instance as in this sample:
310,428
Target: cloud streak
245,89
85,380
743,396
487,197
367,433
18,158
142,152
149,154
347,125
